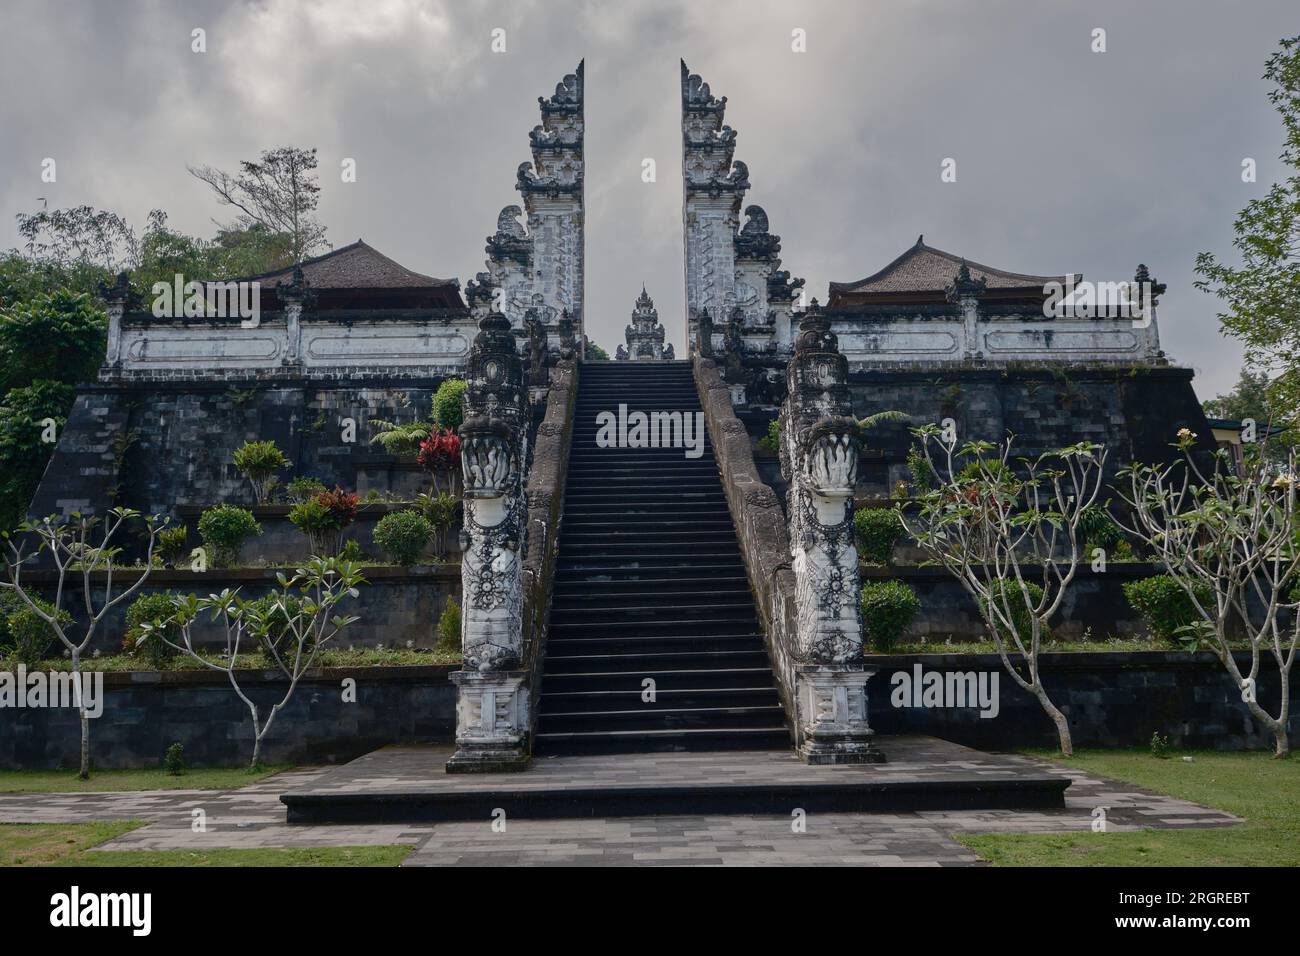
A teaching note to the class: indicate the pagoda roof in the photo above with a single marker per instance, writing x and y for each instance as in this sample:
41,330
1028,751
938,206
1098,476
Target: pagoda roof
354,266
926,271
360,271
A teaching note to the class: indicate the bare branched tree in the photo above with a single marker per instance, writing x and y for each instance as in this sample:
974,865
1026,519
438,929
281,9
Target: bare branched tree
73,550
1231,535
300,613
278,192
1010,536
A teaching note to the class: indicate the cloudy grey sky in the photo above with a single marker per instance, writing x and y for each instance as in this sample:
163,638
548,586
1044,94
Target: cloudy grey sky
1067,160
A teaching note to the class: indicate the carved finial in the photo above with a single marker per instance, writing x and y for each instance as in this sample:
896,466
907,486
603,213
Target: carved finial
963,286
1143,275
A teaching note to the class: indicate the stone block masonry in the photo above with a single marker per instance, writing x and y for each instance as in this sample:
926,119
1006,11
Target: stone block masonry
397,607
158,446
1134,412
1111,699
146,712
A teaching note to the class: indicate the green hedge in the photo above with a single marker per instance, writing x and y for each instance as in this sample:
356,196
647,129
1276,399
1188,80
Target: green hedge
1164,605
888,607
878,529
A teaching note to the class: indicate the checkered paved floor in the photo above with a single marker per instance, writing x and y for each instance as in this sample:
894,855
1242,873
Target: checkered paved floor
254,817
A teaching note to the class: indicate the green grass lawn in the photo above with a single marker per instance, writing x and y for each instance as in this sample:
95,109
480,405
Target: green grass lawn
69,844
1254,786
153,778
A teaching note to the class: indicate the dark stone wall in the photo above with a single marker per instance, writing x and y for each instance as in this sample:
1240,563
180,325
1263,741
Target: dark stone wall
396,607
1094,603
145,713
1134,413
155,446
1111,700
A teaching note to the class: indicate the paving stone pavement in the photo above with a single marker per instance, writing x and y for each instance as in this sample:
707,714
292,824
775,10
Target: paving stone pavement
253,817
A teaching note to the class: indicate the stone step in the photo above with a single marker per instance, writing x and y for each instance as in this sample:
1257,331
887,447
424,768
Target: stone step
623,661
599,594
651,717
395,785
632,569
616,643
665,679
682,550
662,741
607,700
700,617
592,588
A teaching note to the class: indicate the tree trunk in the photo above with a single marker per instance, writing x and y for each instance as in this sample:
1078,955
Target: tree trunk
1282,744
1058,718
83,772
257,750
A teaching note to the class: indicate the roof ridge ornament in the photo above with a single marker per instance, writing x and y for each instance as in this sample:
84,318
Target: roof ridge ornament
963,286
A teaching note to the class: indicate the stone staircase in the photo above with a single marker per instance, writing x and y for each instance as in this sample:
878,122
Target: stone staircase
650,585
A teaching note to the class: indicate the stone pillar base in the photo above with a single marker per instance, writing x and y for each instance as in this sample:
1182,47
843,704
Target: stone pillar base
833,716
491,722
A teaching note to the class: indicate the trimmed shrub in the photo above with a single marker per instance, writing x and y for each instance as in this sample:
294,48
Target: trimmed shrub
888,607
174,760
449,404
31,637
158,610
172,545
1164,605
878,529
224,529
1020,616
303,489
323,518
9,603
441,511
403,536
258,461
449,627
1097,529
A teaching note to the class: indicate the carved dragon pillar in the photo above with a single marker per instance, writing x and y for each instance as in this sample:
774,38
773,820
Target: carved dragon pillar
819,459
492,699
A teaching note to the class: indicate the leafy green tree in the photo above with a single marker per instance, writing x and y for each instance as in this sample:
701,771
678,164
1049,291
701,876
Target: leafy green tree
80,234
54,337
248,251
1260,294
47,345
23,454
595,353
22,278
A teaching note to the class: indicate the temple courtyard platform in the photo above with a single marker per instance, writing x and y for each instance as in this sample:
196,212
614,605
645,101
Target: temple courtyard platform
409,785
534,833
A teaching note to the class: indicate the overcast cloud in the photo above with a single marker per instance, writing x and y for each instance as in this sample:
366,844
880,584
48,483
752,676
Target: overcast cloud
1067,160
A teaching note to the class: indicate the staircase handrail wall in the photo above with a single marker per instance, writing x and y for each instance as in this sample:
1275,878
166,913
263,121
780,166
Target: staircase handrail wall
760,526
545,493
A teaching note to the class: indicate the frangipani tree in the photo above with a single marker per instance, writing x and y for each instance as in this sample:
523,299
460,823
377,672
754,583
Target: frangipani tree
301,612
1231,534
84,547
1009,533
